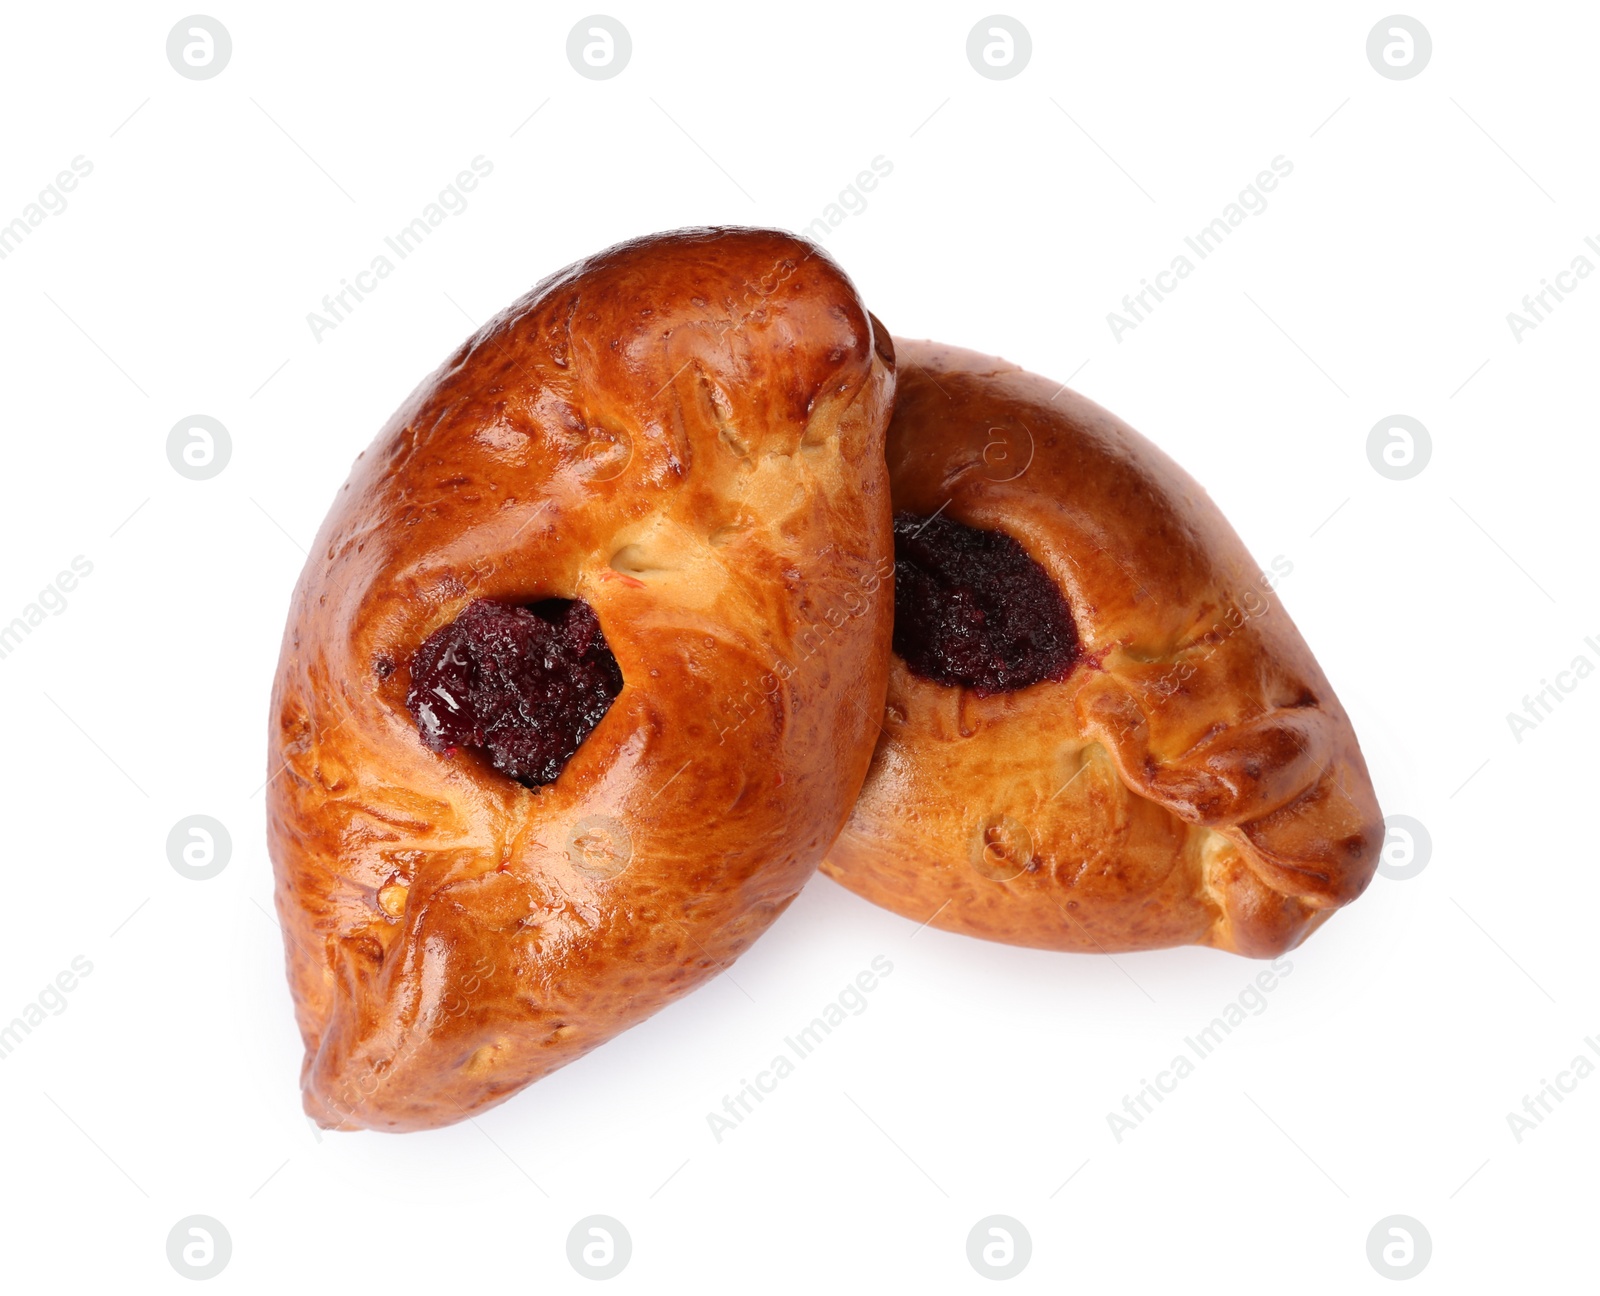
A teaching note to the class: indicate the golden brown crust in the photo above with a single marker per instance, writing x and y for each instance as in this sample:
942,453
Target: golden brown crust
686,432
1194,780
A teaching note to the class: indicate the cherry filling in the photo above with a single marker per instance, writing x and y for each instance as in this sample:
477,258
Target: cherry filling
525,685
972,608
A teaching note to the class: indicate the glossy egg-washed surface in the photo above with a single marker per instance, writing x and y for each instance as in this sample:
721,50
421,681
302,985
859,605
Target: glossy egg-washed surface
1191,780
685,433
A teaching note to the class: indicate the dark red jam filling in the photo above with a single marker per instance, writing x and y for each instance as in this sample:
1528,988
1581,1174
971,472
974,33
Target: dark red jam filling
972,608
525,685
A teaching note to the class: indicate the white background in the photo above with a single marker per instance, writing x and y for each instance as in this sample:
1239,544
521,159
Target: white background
979,1079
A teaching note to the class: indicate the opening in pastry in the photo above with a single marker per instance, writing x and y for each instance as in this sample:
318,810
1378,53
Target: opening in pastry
525,685
973,608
